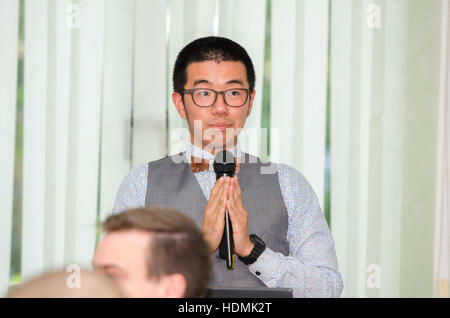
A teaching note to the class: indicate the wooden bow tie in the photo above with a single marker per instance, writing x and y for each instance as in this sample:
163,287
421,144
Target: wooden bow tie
200,164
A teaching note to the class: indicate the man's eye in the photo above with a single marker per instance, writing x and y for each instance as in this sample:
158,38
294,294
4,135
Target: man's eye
203,93
234,93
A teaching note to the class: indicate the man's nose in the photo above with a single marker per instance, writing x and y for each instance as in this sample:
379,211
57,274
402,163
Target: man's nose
219,106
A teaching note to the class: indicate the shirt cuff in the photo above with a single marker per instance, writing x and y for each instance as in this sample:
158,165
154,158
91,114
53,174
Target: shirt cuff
266,267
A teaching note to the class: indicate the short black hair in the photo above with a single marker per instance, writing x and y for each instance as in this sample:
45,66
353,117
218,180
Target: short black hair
211,48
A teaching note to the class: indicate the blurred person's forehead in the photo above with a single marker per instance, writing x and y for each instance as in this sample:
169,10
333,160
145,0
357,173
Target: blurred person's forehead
124,250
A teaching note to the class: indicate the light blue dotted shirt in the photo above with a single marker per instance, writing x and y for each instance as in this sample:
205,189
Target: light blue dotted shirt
311,269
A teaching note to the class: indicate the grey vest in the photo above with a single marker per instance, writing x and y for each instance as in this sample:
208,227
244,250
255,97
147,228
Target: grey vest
174,185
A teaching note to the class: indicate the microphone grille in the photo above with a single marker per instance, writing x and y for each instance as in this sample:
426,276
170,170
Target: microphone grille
224,163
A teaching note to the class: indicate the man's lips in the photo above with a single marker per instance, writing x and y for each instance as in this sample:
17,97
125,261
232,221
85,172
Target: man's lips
221,126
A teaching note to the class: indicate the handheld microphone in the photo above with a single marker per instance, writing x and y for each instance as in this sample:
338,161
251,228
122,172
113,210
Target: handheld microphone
224,165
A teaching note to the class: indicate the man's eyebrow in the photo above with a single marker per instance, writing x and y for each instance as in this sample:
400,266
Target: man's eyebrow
201,81
235,81
204,81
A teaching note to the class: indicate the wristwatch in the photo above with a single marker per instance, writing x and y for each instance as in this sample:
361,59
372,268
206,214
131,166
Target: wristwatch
257,250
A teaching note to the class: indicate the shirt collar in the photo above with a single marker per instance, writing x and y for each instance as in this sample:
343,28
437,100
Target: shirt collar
195,151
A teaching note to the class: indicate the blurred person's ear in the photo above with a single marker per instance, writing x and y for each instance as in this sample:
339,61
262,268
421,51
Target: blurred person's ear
173,286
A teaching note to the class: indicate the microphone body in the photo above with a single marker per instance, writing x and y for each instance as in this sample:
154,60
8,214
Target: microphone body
226,247
225,166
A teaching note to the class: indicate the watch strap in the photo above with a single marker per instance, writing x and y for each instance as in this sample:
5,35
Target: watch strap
258,249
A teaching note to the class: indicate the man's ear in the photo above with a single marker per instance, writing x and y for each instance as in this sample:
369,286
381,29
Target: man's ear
178,102
250,104
174,286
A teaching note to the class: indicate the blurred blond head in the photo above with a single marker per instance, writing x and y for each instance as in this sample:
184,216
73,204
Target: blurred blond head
60,285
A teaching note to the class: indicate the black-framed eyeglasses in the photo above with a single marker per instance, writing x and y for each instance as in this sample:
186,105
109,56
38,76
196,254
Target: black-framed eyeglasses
205,97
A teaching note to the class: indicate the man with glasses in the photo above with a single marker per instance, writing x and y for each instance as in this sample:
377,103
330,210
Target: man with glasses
280,235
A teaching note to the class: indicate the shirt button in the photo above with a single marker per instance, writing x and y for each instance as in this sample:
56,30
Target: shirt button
257,273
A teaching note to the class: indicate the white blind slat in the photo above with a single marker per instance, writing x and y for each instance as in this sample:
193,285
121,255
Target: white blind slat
58,82
391,170
175,43
283,79
9,22
34,137
340,167
314,91
117,100
84,134
150,62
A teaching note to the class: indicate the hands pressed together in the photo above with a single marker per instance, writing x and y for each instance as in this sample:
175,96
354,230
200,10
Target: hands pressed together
227,194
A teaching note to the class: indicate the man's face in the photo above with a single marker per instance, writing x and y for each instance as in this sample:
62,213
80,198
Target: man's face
213,124
123,257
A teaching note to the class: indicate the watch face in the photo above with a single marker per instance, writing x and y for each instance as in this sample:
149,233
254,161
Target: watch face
260,246
255,239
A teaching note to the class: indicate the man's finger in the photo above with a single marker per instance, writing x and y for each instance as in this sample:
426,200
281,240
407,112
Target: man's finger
238,195
231,201
233,212
216,188
219,208
230,189
233,196
238,186
220,196
216,193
